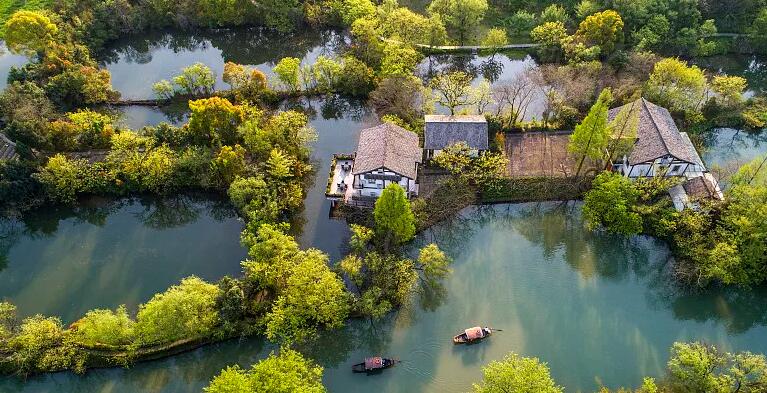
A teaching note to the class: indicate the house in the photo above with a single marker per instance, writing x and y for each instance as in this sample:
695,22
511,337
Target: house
7,149
660,148
442,131
385,154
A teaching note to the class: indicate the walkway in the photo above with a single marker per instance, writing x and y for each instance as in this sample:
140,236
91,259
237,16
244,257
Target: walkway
465,48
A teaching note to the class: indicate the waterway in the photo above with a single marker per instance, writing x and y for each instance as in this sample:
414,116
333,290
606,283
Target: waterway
599,309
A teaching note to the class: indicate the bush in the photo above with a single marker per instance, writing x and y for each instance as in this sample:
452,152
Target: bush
183,311
104,327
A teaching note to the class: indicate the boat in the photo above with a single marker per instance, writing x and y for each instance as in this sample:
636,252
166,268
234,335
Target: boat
374,364
471,335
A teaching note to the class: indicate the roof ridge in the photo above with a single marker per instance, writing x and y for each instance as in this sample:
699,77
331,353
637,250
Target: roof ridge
655,124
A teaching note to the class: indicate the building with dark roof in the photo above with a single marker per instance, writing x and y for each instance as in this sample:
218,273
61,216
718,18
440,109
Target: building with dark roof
7,149
660,148
441,131
386,154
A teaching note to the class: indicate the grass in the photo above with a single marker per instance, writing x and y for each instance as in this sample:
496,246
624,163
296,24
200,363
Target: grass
8,7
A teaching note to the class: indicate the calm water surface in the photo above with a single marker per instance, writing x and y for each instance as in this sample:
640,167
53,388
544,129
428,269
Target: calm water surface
64,262
597,308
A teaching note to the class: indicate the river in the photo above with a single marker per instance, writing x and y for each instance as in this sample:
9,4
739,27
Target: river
597,308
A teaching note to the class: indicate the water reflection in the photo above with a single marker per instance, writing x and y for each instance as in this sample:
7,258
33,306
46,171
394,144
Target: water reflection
64,261
139,61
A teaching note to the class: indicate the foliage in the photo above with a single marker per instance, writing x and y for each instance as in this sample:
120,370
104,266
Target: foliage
229,163
356,79
554,13
609,204
549,36
195,80
454,89
697,367
495,39
104,327
515,374
287,71
29,32
80,85
394,219
603,29
41,344
214,121
521,23
592,135
183,311
399,60
460,16
678,87
729,90
285,372
403,97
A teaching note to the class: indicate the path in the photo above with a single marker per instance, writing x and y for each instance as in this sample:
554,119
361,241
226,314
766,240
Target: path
466,48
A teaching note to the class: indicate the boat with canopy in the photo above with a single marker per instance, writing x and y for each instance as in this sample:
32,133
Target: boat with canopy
473,334
374,364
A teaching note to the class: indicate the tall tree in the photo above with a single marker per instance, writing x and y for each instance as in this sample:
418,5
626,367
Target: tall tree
454,90
592,135
394,219
29,32
515,374
461,16
285,372
677,86
609,205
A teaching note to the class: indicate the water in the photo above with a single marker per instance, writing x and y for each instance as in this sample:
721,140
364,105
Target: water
137,62
597,308
730,147
64,261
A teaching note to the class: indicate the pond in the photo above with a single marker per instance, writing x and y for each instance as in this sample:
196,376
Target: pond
63,262
597,308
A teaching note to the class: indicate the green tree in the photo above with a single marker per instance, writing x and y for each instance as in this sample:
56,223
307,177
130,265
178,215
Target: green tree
521,23
196,80
393,217
399,60
434,264
554,13
586,8
29,32
62,178
357,9
677,86
453,89
104,327
163,90
214,121
461,16
550,36
603,29
229,163
729,90
592,135
288,73
286,372
515,374
495,39
183,311
610,204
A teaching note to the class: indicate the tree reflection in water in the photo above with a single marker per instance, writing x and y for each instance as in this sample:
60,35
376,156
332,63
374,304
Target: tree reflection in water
557,228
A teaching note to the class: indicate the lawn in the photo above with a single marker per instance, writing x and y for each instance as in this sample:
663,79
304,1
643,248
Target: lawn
8,7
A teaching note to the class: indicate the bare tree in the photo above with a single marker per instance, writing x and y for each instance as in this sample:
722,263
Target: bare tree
515,95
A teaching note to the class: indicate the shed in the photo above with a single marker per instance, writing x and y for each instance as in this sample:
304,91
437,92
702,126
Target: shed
441,131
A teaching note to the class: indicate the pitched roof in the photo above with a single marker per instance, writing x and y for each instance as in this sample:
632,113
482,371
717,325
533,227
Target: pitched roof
701,187
388,146
658,135
442,131
7,149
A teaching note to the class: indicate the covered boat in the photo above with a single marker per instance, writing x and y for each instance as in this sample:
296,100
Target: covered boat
373,364
471,335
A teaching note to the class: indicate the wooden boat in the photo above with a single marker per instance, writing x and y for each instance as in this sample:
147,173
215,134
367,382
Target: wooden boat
471,335
374,364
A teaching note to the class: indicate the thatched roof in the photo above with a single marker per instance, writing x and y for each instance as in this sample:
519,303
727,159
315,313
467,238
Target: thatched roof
7,149
442,131
658,136
388,146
